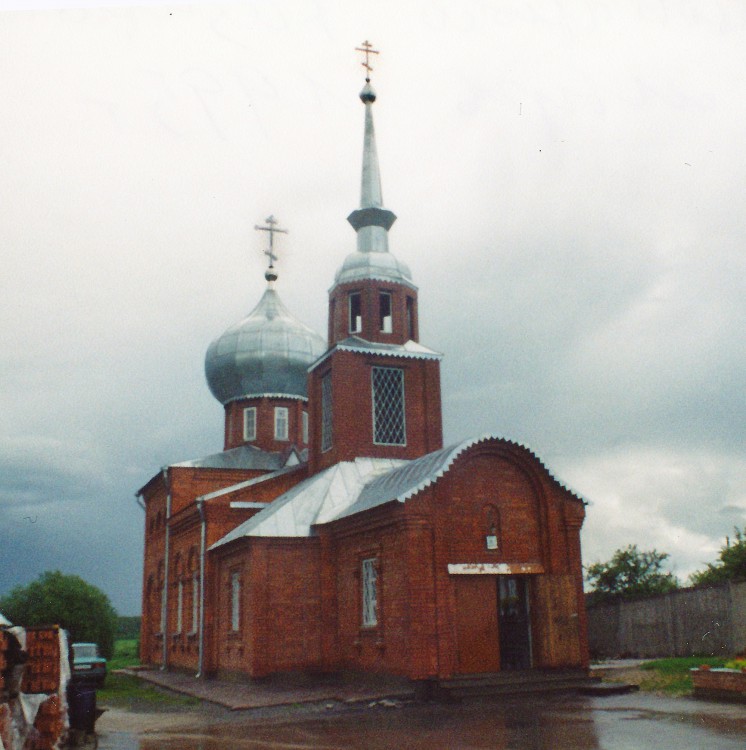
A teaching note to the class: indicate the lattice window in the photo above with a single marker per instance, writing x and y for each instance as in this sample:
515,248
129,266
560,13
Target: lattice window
388,406
326,412
370,593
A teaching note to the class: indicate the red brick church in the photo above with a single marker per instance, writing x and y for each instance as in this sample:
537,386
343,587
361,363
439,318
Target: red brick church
335,532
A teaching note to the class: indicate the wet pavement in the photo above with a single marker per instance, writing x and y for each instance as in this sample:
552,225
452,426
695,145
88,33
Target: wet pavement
627,722
287,689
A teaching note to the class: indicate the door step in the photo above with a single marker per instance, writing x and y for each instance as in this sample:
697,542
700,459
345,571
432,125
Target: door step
512,683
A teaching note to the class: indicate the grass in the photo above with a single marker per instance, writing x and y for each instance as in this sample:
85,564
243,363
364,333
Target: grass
671,676
128,691
126,654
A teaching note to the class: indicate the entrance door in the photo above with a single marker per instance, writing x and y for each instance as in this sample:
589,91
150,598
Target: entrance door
476,624
514,624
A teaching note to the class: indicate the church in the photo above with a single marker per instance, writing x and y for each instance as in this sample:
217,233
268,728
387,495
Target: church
335,532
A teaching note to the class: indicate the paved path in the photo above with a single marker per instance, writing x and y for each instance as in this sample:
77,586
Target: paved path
284,690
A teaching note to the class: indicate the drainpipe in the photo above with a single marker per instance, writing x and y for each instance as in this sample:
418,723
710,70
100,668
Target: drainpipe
202,540
164,603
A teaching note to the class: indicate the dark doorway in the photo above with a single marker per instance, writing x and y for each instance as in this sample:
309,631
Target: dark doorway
514,623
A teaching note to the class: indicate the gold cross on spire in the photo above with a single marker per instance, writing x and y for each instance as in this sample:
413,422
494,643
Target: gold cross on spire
272,229
367,50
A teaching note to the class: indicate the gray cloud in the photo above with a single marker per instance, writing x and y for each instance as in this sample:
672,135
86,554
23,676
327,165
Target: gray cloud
566,188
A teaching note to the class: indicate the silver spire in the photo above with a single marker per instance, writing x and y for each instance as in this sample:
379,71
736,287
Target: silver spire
371,221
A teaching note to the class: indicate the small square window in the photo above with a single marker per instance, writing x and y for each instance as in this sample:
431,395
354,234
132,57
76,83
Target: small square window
249,424
281,423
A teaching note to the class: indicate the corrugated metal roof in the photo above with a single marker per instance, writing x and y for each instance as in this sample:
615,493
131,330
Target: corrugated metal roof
409,350
316,500
351,487
243,457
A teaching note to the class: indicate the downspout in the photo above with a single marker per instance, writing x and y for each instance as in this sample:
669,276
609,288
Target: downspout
203,535
164,603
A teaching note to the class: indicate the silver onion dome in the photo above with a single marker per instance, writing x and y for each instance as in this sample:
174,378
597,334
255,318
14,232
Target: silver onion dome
266,353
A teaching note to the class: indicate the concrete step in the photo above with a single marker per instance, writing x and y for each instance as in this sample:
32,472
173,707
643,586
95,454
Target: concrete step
515,682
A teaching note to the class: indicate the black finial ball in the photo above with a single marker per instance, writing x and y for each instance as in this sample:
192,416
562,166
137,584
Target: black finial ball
367,94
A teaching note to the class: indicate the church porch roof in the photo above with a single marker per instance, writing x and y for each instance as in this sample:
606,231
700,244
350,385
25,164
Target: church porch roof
352,487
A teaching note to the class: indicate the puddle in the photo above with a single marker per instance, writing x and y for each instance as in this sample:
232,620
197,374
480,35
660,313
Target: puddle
529,724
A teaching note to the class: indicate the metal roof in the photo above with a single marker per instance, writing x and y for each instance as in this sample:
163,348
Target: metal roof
409,350
316,500
267,352
352,487
243,457
370,264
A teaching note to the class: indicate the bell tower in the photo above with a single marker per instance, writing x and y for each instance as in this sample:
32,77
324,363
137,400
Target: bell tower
376,392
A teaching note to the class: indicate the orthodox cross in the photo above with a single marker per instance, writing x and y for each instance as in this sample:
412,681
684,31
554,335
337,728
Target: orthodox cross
272,229
367,50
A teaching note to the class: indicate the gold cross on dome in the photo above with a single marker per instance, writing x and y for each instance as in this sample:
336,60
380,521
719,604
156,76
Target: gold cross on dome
367,50
272,228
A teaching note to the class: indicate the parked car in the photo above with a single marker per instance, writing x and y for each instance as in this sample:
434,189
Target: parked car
87,665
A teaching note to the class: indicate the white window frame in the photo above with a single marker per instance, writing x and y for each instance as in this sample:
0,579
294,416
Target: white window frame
369,591
235,602
305,427
282,419
249,423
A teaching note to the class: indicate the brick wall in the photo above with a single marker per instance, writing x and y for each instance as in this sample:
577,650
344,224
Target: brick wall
265,423
369,291
279,614
353,412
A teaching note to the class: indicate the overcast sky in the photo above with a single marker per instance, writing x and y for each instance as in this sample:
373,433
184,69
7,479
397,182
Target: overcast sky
570,181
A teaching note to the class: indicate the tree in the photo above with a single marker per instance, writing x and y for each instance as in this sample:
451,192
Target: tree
64,600
630,573
731,563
